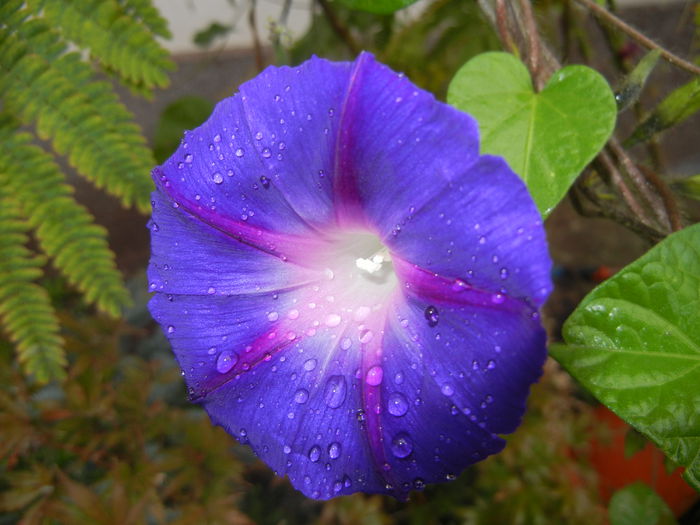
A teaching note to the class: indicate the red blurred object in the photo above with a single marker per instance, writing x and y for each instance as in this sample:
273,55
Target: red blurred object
616,471
602,273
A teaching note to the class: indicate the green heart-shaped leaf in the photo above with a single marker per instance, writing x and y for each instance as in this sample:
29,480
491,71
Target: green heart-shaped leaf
547,137
634,342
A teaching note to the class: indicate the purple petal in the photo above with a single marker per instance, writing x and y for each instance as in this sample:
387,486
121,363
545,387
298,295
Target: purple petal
482,231
266,156
392,149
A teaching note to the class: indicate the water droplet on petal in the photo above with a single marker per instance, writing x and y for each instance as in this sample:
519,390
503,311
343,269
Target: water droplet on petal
266,153
361,313
171,329
309,365
447,389
332,320
397,404
374,376
431,315
334,391
293,314
504,273
366,336
301,396
498,298
346,343
188,158
239,152
265,182
401,445
315,453
334,450
225,361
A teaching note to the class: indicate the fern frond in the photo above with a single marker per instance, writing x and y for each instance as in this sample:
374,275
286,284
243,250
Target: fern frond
83,118
26,313
120,43
64,229
148,15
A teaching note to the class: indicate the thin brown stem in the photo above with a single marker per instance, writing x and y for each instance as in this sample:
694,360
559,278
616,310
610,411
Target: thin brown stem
502,26
654,201
606,212
338,27
644,40
672,211
533,42
257,46
619,182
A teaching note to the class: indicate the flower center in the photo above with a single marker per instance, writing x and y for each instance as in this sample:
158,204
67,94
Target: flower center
361,267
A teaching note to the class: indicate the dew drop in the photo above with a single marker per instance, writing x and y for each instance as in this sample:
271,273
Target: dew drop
431,315
225,361
287,449
266,153
188,158
293,314
239,152
504,273
217,138
491,364
334,450
310,364
332,320
498,298
361,313
273,316
398,378
171,329
211,290
217,178
265,182
374,376
366,336
334,391
346,343
397,404
401,445
459,285
447,389
315,453
301,396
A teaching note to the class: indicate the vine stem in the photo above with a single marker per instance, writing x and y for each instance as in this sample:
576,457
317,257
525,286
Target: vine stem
338,27
647,42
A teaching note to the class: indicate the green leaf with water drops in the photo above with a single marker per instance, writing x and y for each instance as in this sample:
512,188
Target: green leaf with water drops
638,504
634,342
381,7
548,138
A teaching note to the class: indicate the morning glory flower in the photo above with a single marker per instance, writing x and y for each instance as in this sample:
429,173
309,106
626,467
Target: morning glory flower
349,287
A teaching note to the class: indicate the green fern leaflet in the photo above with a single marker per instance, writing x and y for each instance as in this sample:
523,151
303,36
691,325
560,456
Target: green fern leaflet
50,93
